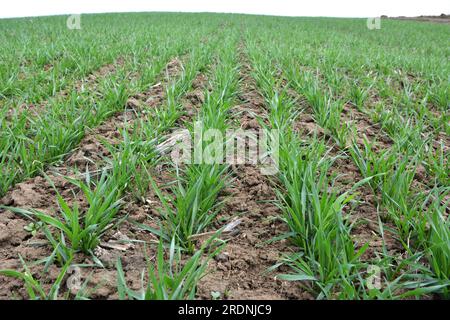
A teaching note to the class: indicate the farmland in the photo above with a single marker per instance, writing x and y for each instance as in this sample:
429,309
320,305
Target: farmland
93,205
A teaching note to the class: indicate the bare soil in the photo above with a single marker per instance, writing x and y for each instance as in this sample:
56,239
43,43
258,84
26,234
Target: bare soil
443,18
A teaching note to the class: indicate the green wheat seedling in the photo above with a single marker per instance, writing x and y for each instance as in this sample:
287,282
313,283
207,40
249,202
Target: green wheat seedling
147,133
264,76
438,251
359,95
437,164
35,288
313,215
315,219
282,112
371,163
77,230
432,233
439,95
438,246
193,205
397,197
170,279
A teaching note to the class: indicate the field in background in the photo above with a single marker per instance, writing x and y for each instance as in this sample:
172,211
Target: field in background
93,205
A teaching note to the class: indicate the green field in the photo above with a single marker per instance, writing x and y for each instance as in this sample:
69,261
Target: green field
93,204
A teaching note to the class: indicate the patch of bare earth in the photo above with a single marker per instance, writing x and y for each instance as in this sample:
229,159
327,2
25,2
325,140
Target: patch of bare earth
443,18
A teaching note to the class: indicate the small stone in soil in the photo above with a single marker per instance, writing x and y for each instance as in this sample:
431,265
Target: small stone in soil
222,257
4,233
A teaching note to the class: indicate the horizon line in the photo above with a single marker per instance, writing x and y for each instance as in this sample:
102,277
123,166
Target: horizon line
215,12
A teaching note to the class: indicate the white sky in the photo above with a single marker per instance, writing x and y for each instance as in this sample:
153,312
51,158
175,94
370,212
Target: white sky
336,8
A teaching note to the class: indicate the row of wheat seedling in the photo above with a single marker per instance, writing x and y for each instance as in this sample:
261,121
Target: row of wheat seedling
30,143
404,114
189,208
192,205
25,85
327,262
418,216
410,123
391,174
31,140
39,62
411,105
75,231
